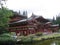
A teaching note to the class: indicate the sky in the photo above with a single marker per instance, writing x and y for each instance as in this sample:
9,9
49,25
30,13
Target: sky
45,8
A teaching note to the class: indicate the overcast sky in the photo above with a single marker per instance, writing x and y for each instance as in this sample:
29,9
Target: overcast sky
46,8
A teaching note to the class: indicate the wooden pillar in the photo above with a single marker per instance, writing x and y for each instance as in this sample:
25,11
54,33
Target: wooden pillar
27,32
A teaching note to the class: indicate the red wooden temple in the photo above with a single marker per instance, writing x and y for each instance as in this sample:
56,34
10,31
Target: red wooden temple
25,26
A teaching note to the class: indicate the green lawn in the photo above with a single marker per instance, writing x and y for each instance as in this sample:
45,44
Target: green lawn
33,37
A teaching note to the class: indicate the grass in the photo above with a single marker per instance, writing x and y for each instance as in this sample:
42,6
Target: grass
33,37
6,37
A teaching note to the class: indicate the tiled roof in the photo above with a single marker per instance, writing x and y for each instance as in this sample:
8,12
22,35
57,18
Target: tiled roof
19,21
23,20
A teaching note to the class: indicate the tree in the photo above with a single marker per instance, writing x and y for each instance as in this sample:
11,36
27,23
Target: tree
1,4
25,13
4,16
53,20
5,13
58,20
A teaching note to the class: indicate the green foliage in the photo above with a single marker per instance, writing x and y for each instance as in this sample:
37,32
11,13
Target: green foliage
58,20
4,16
4,19
39,34
6,37
3,30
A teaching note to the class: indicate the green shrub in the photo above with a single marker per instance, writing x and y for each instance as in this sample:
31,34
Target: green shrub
6,37
39,34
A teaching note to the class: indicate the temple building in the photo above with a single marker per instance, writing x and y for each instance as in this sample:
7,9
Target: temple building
22,25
